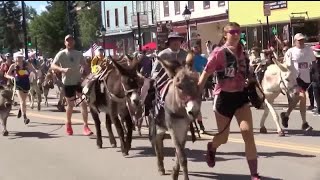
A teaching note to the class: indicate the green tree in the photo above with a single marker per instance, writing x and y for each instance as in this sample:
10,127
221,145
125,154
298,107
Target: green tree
10,26
31,13
89,21
50,28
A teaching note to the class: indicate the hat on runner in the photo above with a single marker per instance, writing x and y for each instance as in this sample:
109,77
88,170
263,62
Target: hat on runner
17,55
68,36
299,36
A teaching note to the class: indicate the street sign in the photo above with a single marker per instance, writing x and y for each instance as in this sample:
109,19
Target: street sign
266,10
143,20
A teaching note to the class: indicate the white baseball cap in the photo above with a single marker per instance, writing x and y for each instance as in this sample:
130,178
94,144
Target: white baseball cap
17,55
299,36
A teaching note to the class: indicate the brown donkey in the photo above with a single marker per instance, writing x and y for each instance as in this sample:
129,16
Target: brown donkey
181,106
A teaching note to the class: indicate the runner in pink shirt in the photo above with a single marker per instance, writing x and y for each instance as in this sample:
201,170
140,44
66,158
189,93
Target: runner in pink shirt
231,99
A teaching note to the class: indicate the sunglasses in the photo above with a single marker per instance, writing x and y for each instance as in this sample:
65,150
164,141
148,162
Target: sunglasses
234,31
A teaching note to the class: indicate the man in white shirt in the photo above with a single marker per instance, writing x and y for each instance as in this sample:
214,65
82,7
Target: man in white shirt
298,60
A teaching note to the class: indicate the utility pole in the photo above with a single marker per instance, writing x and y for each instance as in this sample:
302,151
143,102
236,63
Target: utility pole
139,31
24,28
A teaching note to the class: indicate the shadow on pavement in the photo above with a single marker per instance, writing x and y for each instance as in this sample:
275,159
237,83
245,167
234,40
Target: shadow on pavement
226,176
40,135
302,133
268,154
193,155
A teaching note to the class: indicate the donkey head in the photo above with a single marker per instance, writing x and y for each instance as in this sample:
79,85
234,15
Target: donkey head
130,82
185,84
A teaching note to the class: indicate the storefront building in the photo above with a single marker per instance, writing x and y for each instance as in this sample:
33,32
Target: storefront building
286,19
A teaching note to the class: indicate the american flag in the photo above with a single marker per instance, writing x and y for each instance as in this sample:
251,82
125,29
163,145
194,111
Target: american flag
94,47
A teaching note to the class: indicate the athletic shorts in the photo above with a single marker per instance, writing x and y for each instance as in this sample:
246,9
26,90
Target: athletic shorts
70,91
303,85
227,103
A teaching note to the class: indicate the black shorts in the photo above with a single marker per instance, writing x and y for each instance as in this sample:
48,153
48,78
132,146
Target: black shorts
227,103
303,85
70,91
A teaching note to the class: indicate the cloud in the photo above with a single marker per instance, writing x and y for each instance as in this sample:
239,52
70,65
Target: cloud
41,9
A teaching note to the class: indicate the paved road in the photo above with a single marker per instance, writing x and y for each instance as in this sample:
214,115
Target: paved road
42,151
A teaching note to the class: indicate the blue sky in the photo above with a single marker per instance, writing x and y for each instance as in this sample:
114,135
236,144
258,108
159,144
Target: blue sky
38,5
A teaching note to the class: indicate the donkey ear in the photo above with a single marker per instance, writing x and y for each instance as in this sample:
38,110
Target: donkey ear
171,67
190,59
122,70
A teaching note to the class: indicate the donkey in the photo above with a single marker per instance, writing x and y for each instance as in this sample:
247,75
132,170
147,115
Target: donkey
181,107
6,102
47,85
277,79
35,92
115,92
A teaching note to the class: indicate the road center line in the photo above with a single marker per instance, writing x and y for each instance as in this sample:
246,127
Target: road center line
295,147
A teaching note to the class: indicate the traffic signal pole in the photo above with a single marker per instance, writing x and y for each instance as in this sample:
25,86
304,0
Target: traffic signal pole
24,27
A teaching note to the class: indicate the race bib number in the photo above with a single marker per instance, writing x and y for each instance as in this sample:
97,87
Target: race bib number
303,65
229,72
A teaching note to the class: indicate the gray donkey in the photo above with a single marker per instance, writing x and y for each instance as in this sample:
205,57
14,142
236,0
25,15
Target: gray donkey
6,102
181,107
115,92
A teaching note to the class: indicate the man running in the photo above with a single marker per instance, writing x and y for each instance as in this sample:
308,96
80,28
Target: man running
68,62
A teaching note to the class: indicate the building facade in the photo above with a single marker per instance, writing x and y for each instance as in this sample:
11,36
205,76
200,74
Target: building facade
286,19
148,19
206,22
116,18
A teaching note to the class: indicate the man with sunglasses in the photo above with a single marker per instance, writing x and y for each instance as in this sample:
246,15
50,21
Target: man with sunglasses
298,60
68,62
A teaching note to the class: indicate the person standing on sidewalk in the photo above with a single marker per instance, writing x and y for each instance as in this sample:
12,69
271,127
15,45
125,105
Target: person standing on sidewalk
68,62
298,60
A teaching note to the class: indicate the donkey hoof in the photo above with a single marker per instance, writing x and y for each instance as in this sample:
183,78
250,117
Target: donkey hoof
139,133
99,146
125,154
113,145
263,130
161,171
5,133
31,107
281,133
175,174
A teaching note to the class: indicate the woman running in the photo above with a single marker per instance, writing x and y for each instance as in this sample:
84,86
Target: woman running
231,99
19,72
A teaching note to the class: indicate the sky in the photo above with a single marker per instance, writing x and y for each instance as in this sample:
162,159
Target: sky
38,5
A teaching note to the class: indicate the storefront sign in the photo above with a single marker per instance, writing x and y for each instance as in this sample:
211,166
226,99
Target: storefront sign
276,4
266,10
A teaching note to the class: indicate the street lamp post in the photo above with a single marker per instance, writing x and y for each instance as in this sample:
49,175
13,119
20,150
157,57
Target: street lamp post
24,27
187,14
103,32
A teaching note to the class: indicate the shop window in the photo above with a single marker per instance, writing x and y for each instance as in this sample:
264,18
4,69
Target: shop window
125,11
116,16
108,18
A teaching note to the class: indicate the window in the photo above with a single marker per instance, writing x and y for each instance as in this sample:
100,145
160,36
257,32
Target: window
144,6
206,4
177,7
125,11
191,5
221,3
108,19
116,17
166,8
138,6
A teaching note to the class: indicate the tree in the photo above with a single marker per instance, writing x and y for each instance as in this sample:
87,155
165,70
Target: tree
50,28
89,21
10,26
31,13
